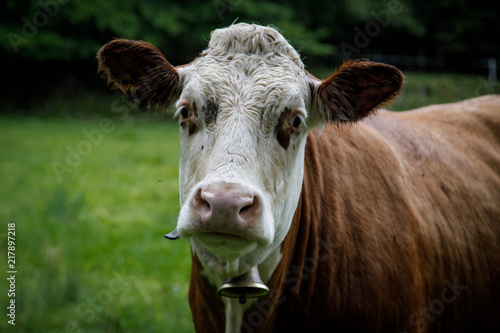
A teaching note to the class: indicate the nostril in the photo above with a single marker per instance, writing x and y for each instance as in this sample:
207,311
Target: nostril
201,204
247,206
249,211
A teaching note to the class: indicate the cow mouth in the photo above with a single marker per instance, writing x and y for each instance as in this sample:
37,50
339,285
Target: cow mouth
222,235
212,234
215,241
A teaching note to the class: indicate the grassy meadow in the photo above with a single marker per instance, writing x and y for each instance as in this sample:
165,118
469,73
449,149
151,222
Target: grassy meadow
90,252
92,197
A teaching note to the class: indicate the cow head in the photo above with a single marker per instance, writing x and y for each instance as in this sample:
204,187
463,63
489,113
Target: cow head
244,108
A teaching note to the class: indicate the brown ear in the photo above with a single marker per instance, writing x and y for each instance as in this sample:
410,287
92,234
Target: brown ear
139,70
356,89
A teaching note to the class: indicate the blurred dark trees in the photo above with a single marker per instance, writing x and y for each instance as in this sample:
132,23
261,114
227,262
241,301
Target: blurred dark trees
70,30
43,40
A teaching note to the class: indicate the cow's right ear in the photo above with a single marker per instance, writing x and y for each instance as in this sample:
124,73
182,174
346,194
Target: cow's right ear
139,70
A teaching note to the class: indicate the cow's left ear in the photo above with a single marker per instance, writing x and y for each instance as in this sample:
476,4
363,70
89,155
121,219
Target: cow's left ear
140,71
355,90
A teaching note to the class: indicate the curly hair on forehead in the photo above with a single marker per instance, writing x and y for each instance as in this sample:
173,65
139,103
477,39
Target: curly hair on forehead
243,38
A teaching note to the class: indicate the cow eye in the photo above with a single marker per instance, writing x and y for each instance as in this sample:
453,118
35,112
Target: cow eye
188,118
295,121
185,112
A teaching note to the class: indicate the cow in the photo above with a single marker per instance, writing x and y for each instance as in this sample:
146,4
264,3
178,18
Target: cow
358,219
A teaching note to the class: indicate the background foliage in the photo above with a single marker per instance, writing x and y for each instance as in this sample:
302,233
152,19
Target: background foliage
75,29
48,44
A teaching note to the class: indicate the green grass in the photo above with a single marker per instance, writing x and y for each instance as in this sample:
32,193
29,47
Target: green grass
424,89
90,252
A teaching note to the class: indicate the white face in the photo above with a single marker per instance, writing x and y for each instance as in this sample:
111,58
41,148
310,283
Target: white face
242,136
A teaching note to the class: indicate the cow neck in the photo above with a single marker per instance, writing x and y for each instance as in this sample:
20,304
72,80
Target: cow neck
304,244
207,307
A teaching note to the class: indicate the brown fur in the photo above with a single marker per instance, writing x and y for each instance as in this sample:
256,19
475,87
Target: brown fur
140,70
390,210
206,308
352,92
